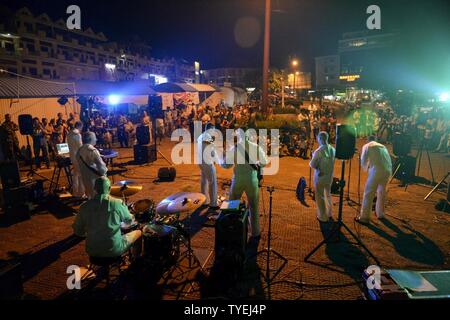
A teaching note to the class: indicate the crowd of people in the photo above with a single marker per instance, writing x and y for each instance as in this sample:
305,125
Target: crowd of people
429,128
299,142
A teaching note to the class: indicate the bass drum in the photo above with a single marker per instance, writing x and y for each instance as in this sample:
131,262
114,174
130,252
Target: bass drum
160,244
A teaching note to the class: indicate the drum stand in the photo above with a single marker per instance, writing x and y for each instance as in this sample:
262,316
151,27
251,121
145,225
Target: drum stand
340,224
268,251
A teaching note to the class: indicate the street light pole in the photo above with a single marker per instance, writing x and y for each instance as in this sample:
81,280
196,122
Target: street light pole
282,90
265,88
294,86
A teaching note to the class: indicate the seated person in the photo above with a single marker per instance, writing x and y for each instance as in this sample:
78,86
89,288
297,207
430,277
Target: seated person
99,220
303,147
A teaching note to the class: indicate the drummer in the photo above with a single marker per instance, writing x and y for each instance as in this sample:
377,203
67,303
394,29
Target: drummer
100,219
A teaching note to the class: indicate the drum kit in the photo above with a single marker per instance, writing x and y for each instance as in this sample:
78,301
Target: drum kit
162,229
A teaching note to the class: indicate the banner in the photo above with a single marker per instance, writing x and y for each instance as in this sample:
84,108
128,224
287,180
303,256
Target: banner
167,101
186,98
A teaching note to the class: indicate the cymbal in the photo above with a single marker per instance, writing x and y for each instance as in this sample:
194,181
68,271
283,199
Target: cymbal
182,202
125,182
125,188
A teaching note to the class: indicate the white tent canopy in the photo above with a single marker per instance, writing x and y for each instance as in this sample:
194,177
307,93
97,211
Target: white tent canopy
233,96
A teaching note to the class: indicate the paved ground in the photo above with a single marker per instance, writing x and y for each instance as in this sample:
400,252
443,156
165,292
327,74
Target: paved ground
414,236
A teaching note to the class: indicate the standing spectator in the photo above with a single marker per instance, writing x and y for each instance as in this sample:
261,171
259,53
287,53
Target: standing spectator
40,144
9,141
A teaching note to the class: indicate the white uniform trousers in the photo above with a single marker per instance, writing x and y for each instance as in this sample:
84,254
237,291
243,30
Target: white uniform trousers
209,184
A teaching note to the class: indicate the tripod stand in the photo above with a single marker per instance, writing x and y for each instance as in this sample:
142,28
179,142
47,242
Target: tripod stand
268,251
32,172
349,200
419,156
340,223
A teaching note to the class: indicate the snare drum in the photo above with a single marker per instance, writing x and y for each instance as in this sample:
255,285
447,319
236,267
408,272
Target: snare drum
129,227
144,210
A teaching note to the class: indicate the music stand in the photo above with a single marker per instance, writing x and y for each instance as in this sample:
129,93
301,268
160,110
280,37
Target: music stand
340,223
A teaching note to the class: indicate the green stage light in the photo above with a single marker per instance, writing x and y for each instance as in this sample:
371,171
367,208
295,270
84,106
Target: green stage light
444,97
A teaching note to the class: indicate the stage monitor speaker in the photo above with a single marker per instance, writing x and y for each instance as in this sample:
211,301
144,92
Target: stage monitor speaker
345,141
407,170
167,174
26,124
401,144
231,235
10,174
144,153
143,135
11,287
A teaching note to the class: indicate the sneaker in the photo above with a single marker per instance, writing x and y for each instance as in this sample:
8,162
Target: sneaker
362,221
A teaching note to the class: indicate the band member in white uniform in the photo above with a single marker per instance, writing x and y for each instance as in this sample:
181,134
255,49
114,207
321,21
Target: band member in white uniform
245,177
376,159
207,167
75,142
90,163
323,164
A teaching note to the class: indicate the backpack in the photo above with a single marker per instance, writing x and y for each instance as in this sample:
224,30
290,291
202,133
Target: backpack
300,191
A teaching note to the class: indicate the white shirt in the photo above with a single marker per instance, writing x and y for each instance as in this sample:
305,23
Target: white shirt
206,141
75,143
323,162
159,123
92,157
376,157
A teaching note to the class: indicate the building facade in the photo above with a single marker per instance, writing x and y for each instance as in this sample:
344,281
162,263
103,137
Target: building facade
299,80
364,59
38,47
236,77
328,70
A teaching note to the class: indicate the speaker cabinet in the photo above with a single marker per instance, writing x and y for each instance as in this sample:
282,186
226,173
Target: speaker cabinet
143,135
345,141
26,124
144,153
407,170
401,144
231,235
11,287
10,174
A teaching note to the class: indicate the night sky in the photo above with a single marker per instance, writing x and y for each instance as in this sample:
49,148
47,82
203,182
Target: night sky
222,33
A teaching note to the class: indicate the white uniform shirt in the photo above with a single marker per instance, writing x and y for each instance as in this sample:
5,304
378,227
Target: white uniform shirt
204,141
376,157
74,141
323,162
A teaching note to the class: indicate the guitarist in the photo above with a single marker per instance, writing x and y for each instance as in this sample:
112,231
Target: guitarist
247,159
90,163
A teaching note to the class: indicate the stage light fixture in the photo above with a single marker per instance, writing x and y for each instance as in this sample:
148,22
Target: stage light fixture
114,99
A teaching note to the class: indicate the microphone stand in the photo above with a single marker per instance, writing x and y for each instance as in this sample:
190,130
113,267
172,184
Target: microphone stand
340,224
268,251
